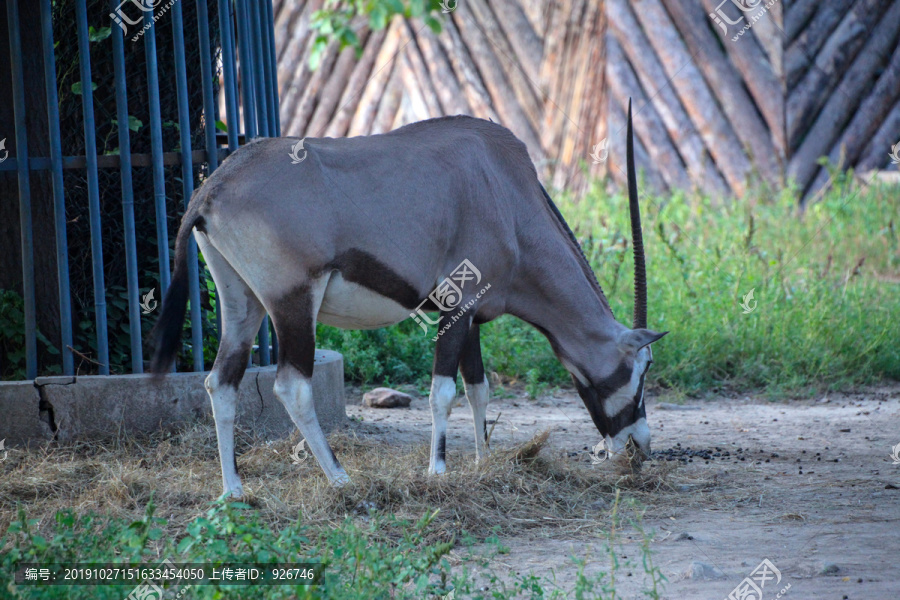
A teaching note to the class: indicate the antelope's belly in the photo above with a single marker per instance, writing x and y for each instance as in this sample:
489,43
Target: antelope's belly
349,305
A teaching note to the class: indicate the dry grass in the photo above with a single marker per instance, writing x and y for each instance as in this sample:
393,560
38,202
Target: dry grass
525,488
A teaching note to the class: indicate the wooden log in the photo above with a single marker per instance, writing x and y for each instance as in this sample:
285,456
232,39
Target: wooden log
798,14
390,101
302,111
865,121
623,84
417,104
876,153
292,65
616,160
815,88
527,46
624,26
766,88
449,93
481,15
840,106
367,106
715,130
418,75
728,87
495,81
355,86
466,72
327,103
802,51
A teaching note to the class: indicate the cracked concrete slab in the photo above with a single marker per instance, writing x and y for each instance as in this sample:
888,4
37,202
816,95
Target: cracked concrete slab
20,407
90,406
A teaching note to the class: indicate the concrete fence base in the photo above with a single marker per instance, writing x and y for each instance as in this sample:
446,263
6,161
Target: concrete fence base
70,408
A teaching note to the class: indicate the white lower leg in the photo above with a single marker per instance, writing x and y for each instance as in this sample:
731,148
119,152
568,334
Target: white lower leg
295,392
443,393
478,395
224,401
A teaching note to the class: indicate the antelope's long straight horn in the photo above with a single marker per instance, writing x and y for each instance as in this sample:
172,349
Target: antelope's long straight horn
637,238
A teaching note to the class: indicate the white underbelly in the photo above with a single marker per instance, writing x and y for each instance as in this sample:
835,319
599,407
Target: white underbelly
351,306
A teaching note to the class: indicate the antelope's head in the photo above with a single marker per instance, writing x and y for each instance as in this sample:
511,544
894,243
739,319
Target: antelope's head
613,390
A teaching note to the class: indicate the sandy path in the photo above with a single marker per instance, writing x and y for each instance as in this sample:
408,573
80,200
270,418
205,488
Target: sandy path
816,494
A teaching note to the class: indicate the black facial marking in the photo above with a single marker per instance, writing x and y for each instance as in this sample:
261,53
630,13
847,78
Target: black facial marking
442,448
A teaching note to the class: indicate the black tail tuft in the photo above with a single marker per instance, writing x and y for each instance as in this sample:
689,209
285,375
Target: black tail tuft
166,334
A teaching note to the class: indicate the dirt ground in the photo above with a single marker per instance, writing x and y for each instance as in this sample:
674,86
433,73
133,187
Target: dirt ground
808,485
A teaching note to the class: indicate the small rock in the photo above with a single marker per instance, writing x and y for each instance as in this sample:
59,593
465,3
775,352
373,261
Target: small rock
829,569
386,398
702,570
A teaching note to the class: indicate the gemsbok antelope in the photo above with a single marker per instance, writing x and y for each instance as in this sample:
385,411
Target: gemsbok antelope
365,232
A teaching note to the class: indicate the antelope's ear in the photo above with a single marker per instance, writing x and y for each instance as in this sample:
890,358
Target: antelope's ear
634,339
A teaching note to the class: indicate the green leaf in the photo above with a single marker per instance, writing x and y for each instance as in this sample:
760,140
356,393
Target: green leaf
76,87
97,35
134,123
221,126
433,24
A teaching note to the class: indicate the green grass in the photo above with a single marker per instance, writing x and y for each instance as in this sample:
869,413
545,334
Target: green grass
825,282
373,558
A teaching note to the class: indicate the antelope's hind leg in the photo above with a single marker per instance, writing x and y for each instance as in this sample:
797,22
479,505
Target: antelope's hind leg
294,317
242,314
478,391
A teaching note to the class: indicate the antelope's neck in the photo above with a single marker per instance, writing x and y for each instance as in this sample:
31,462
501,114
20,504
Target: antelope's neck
553,293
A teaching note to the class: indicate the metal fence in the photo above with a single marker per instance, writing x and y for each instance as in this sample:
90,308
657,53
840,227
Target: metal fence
219,57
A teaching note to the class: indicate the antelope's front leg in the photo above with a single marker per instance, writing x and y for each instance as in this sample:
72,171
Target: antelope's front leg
443,390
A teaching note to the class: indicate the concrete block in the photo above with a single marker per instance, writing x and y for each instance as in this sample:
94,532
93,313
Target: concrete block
82,407
20,407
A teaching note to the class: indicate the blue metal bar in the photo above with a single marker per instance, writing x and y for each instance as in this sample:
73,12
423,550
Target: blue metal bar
156,151
26,234
274,115
209,111
260,75
90,151
232,122
245,49
131,267
59,199
187,182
